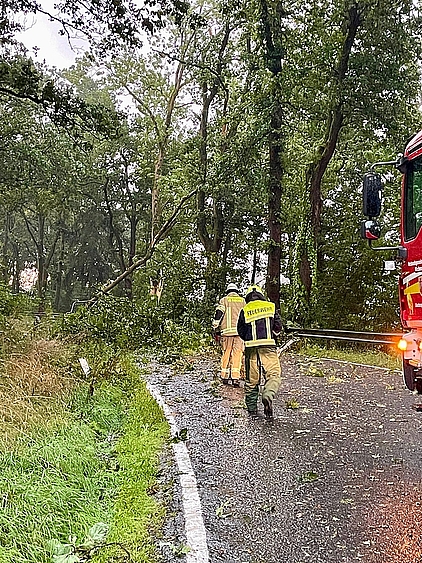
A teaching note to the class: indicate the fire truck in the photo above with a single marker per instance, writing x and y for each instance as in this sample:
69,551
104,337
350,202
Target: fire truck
409,251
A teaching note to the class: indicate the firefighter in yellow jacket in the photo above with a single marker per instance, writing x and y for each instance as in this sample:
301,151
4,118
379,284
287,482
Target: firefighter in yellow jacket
258,325
225,322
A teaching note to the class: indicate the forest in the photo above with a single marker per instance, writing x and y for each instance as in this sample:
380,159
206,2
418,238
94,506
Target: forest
194,144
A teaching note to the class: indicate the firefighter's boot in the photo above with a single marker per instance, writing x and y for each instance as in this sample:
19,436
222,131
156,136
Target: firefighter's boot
268,408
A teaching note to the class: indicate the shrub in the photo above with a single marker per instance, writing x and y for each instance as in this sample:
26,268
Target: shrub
127,325
11,303
12,309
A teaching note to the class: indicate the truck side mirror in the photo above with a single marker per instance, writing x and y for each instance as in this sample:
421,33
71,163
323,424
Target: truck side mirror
370,230
372,186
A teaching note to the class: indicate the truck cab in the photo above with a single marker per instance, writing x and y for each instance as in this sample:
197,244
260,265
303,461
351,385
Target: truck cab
409,251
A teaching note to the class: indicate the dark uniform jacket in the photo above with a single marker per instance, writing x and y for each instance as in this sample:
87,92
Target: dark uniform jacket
259,323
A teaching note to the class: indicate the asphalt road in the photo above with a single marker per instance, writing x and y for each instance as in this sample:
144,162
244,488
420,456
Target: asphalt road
336,477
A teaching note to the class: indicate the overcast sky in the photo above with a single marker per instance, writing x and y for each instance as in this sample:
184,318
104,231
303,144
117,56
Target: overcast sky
44,34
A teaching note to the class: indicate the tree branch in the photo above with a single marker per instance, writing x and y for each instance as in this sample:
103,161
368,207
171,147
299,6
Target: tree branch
161,235
145,109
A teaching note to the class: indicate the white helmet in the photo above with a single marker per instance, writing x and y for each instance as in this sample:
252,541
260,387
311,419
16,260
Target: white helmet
232,287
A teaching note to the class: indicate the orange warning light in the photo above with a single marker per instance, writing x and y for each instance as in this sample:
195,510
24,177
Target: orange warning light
402,344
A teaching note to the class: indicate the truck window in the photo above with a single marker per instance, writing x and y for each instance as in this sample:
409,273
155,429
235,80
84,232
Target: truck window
413,200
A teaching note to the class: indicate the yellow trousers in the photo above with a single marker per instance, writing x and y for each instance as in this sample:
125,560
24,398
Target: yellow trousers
231,360
261,359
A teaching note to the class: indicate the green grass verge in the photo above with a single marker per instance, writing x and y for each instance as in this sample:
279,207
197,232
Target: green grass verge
93,463
367,357
137,514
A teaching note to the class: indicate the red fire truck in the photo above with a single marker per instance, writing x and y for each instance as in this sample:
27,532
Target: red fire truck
409,252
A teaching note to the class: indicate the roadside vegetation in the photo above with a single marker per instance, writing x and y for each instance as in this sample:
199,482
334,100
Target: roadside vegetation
79,452
384,357
198,156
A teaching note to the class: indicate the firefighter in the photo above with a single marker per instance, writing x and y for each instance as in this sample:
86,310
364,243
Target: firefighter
258,325
225,323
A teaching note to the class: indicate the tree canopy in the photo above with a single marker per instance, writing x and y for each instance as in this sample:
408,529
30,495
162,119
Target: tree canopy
226,144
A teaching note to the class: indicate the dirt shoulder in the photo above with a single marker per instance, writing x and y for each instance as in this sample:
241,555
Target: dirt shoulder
335,478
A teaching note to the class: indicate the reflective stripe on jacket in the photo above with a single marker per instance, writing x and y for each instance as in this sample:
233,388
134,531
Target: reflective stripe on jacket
227,313
257,323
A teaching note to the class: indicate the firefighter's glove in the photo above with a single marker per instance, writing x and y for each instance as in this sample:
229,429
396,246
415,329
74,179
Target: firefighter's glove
217,336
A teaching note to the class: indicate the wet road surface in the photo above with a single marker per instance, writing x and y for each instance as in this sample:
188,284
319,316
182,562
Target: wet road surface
335,478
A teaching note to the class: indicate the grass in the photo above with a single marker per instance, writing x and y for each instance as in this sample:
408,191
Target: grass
73,466
55,484
136,513
33,385
377,358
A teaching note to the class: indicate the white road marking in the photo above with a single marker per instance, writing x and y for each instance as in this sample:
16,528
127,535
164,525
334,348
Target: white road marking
194,524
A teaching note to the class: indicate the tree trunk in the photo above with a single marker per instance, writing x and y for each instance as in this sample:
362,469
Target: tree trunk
162,149
59,276
210,230
41,266
160,236
16,269
272,14
254,262
114,235
43,260
162,134
132,252
318,167
5,274
274,204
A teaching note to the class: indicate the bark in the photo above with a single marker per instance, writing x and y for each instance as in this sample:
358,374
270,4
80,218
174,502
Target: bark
124,255
163,135
59,275
5,274
210,232
115,237
133,220
43,259
274,205
254,262
272,32
225,253
16,269
318,167
210,237
162,149
41,263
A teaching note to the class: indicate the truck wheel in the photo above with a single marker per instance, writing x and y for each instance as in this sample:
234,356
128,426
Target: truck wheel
409,377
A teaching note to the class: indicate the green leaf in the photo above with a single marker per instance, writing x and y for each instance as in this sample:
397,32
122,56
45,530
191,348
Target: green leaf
181,436
96,536
308,477
98,532
223,511
179,550
56,548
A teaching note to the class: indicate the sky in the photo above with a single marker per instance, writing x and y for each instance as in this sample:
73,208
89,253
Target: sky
44,35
